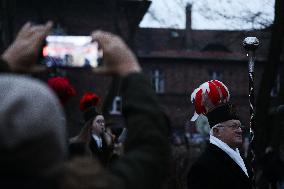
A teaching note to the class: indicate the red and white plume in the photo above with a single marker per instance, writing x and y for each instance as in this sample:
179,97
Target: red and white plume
62,88
89,99
209,95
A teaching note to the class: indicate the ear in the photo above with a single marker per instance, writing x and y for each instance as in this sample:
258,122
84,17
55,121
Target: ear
215,131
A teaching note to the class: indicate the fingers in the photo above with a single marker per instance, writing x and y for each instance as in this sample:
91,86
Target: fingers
41,30
39,33
38,69
26,26
103,38
48,27
118,58
33,69
23,53
103,70
24,30
107,40
28,30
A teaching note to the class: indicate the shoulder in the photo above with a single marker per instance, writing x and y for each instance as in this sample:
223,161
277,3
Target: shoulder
211,153
205,160
211,159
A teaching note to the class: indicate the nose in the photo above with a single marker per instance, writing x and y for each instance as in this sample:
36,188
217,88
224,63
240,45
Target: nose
239,130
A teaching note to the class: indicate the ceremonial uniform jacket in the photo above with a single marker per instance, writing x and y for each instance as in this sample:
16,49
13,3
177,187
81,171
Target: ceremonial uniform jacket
103,154
215,169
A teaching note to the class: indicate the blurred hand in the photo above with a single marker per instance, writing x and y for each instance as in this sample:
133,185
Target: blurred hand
118,149
22,54
117,57
109,138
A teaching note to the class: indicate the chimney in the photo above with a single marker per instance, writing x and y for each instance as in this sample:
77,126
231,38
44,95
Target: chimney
188,16
188,30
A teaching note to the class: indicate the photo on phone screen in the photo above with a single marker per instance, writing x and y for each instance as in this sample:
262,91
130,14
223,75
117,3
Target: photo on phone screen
71,51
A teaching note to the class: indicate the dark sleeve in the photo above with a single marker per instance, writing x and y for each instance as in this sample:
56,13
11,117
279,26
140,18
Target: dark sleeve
146,158
107,152
76,149
4,67
198,178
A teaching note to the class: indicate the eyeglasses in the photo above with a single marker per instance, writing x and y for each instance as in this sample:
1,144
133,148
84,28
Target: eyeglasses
100,121
234,127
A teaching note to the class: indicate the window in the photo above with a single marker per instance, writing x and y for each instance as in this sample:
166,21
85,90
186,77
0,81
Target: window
216,75
174,34
275,90
116,106
158,81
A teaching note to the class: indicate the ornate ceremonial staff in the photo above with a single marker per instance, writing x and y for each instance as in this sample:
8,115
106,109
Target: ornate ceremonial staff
251,44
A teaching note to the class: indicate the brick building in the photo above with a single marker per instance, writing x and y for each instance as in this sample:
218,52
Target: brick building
176,60
179,60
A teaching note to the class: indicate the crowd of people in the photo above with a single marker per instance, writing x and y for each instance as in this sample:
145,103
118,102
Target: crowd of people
36,152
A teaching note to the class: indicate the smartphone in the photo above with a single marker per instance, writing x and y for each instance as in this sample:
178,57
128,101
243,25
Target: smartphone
71,51
123,135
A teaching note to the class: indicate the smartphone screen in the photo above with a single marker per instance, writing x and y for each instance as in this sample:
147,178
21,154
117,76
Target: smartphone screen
71,51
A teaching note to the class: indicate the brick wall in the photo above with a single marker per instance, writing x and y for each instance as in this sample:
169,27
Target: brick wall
183,76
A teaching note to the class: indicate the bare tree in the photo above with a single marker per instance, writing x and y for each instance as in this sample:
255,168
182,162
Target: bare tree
248,16
174,8
256,19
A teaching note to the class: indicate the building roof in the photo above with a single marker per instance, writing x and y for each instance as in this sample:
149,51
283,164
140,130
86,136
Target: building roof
200,55
197,44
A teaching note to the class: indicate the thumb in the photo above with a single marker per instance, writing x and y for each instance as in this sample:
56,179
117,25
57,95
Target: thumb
103,70
38,69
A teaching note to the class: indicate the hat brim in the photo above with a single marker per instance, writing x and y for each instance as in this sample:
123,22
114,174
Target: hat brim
194,117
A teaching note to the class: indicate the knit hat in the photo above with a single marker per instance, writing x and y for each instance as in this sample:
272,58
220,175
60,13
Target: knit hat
32,130
212,100
62,88
88,104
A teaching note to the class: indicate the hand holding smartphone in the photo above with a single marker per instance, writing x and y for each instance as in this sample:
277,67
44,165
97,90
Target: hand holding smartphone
71,51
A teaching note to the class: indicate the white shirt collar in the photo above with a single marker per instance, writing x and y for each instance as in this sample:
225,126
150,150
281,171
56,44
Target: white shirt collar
98,140
234,154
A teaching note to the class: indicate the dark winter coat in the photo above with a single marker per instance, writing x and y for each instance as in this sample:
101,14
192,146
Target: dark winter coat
215,169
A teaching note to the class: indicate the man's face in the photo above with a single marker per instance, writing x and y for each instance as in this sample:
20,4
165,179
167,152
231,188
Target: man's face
230,132
98,125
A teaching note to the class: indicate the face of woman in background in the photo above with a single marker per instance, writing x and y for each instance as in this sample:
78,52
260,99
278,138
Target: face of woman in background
98,125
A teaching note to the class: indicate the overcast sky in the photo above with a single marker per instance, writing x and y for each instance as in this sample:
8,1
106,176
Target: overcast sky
206,14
